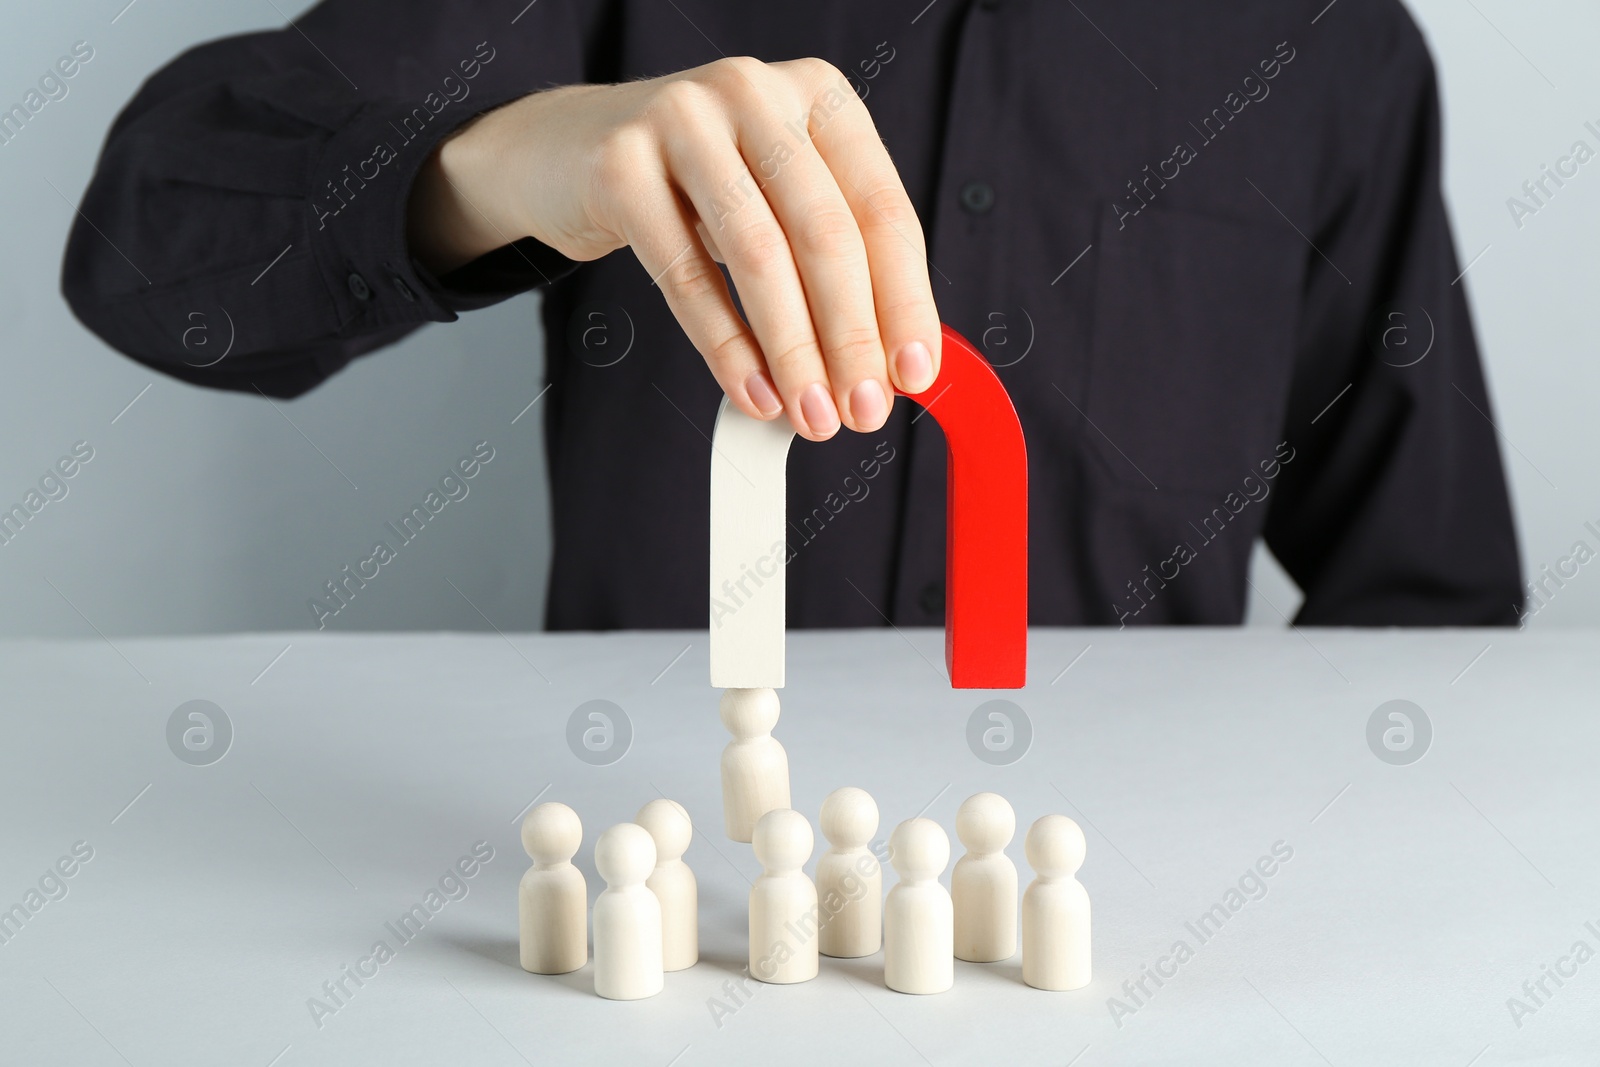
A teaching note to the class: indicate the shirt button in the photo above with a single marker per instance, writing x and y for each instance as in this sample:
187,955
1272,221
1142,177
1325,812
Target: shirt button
359,287
977,197
931,598
405,290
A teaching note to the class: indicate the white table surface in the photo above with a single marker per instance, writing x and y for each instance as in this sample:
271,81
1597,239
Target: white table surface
1418,900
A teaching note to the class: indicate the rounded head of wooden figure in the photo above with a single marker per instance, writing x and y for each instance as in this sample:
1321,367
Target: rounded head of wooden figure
625,855
668,824
1055,847
749,713
782,841
849,817
551,833
986,823
919,849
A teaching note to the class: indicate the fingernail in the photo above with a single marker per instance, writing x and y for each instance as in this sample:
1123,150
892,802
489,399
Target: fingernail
913,364
868,407
762,394
817,408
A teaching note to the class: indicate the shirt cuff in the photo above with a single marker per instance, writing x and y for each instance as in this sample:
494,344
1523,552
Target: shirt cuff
358,196
497,275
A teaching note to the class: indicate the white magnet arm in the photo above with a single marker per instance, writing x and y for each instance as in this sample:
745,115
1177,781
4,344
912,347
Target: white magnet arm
748,547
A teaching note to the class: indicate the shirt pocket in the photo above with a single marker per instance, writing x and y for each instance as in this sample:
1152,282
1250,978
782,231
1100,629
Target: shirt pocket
1192,347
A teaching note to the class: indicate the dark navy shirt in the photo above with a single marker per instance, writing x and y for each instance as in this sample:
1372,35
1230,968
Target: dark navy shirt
1204,245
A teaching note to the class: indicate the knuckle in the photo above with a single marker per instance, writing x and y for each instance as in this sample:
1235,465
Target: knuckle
889,209
622,157
758,249
917,308
828,231
798,359
732,351
748,66
854,346
694,278
683,102
831,90
819,72
736,77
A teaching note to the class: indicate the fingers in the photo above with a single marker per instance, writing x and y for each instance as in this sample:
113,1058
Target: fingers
692,283
778,172
741,223
847,357
847,142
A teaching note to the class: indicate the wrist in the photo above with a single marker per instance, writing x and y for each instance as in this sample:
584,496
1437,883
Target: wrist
455,213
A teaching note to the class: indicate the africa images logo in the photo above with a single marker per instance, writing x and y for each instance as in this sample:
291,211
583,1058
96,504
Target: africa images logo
1399,732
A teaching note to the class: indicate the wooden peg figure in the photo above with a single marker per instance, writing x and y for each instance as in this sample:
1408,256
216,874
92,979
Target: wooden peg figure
1055,909
553,899
918,921
983,886
755,768
783,901
673,882
849,877
627,916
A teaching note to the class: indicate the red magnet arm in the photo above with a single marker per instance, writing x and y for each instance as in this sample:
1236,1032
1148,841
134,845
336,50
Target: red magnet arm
986,534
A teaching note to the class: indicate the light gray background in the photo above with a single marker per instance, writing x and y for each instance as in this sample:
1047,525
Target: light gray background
204,512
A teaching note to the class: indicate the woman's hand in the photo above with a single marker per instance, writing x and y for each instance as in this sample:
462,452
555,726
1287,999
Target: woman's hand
772,168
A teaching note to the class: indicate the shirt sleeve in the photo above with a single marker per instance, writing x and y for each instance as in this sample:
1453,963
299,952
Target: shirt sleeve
1394,510
251,198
